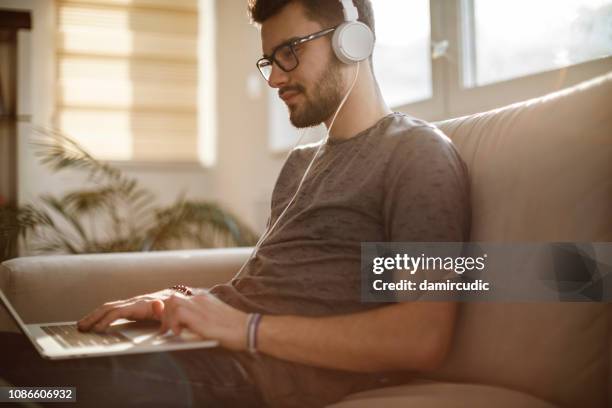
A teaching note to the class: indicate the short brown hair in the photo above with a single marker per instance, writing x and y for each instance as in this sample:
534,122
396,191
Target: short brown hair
326,12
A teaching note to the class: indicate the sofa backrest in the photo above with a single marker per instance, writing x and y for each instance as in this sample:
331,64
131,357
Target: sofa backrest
541,170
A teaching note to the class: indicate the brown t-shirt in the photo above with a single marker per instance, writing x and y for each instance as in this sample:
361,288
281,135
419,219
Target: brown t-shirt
400,180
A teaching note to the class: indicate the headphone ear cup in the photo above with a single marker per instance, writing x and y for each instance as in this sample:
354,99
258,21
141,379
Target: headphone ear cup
352,42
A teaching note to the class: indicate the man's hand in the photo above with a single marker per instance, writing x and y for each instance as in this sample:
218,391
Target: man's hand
206,316
144,307
203,314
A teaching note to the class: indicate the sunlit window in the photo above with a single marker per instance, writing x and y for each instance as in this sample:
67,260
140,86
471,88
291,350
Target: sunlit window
522,37
128,78
402,61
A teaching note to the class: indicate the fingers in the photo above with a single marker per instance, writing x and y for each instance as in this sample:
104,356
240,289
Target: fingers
180,312
184,317
170,305
124,312
135,308
90,319
157,308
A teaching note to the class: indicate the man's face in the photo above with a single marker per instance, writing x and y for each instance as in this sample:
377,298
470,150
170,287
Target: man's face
313,91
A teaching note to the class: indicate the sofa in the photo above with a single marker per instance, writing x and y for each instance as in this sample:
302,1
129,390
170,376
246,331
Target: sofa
541,170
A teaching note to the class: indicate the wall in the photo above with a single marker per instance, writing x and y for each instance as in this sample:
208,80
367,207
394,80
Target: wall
246,168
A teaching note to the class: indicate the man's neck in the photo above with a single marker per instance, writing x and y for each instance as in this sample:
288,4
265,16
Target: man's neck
362,110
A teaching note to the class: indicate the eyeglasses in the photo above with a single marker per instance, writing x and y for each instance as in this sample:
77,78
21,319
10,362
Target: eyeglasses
285,56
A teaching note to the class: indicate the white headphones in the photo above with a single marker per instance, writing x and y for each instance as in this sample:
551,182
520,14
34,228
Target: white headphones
353,40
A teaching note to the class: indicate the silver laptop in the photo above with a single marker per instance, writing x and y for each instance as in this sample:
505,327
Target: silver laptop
62,340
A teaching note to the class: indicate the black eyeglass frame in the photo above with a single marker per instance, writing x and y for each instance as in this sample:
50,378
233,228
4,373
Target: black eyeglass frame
292,44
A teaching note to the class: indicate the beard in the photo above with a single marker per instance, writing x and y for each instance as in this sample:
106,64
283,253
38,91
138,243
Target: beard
322,103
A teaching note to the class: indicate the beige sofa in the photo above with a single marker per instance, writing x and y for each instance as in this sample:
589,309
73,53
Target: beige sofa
541,170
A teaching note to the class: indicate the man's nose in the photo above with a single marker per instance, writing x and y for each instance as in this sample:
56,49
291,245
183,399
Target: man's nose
278,77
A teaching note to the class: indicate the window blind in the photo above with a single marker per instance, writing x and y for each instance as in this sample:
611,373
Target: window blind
127,78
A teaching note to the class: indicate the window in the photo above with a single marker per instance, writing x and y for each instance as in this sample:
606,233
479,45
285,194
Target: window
127,78
522,37
402,61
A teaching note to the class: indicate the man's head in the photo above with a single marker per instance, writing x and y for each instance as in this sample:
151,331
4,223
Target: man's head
315,87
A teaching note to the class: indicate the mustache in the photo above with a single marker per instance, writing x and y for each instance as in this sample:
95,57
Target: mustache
294,88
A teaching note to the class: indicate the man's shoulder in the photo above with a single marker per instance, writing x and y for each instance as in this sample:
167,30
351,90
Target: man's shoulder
416,147
405,128
404,134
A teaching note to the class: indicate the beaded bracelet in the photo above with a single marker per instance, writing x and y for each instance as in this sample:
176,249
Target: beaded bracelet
252,325
183,289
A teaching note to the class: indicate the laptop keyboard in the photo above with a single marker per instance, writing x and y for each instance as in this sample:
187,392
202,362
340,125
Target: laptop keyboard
68,336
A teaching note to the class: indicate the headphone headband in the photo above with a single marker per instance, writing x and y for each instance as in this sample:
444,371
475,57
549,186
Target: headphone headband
349,10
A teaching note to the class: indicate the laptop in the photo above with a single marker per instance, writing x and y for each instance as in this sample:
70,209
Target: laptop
63,340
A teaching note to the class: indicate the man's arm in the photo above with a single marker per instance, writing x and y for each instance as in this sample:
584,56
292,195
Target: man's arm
406,336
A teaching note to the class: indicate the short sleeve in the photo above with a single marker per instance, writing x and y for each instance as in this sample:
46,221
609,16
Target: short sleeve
426,190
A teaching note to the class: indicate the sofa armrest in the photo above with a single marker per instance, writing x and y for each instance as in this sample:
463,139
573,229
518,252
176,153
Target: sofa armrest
65,287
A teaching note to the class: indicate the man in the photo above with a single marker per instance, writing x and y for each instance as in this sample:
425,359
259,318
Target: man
381,176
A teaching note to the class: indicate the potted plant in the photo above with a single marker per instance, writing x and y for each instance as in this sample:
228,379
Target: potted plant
113,213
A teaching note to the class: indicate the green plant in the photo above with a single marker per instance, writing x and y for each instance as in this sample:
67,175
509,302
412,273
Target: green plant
113,214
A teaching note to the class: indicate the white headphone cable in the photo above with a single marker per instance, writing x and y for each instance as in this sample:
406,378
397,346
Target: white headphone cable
321,143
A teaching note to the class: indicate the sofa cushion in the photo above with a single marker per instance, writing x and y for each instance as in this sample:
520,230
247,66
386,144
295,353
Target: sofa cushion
541,170
442,395
557,352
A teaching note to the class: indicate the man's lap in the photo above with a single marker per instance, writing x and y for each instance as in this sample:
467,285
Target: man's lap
210,377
